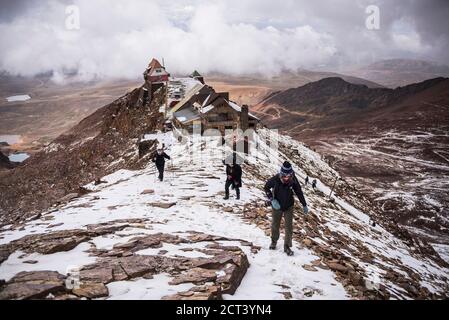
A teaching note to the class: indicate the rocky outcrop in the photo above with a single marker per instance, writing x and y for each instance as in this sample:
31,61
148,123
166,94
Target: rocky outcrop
33,285
334,255
64,240
101,144
221,272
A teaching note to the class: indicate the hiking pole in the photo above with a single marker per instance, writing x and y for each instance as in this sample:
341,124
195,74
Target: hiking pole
330,195
172,172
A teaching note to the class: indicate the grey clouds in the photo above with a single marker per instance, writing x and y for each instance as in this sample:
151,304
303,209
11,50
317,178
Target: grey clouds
117,38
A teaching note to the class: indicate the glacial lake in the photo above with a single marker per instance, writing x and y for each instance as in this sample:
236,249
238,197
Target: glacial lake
18,157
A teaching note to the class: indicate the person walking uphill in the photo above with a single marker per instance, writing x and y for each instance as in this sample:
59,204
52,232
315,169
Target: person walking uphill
279,190
233,178
159,159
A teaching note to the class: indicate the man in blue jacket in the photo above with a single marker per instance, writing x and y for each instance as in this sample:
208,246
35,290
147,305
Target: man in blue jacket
279,190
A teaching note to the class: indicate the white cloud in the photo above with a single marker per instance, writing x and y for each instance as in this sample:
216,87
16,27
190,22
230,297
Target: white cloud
117,39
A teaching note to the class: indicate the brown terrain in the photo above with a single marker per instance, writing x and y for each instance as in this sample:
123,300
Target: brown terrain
56,108
109,140
53,108
80,155
392,145
251,89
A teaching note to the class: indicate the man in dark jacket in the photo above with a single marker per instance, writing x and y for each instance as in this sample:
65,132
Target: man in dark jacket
279,190
159,159
233,178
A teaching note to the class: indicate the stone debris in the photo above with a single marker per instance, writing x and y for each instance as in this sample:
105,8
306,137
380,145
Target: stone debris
210,277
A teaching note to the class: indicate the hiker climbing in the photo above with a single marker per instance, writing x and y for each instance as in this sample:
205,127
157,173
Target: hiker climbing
159,159
307,180
233,178
314,184
279,190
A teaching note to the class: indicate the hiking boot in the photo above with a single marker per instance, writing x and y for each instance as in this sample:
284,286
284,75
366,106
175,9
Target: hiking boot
226,197
273,245
238,197
288,251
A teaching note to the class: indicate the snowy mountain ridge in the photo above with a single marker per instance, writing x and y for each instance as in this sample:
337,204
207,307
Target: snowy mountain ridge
133,237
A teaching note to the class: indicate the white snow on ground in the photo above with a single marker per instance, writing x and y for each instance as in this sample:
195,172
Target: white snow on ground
195,183
376,239
200,213
145,289
443,250
24,97
61,262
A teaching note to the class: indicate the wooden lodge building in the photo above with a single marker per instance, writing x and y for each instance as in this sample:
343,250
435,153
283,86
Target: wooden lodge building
155,77
200,108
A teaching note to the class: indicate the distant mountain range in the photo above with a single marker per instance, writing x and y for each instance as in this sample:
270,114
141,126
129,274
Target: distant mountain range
286,79
391,143
400,72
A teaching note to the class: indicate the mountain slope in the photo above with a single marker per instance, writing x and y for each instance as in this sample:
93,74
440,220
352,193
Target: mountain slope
84,153
388,144
124,235
335,102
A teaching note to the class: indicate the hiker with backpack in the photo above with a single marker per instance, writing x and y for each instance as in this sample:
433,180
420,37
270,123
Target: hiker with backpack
159,159
233,178
279,190
314,182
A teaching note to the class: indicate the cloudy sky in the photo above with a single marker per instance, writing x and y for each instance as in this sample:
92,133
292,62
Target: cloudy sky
118,38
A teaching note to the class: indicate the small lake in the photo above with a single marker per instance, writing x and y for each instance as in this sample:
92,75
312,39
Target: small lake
23,97
18,157
10,138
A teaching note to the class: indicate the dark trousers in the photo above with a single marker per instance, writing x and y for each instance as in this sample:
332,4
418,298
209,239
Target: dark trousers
230,183
276,224
160,168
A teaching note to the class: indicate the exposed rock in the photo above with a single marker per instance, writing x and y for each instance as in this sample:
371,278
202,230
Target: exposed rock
97,272
307,242
356,279
309,268
99,181
163,205
287,295
337,267
148,191
197,293
49,243
137,266
32,285
234,275
225,268
91,290
68,198
55,225
196,276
